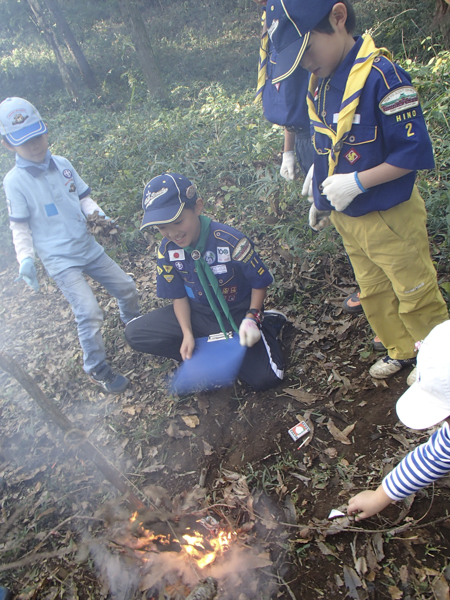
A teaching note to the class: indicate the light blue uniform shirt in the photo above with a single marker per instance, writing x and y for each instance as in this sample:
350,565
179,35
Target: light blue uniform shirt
49,200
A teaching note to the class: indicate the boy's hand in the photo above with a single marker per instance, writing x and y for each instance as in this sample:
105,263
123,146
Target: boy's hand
187,347
307,189
318,219
249,333
287,169
341,190
368,503
27,272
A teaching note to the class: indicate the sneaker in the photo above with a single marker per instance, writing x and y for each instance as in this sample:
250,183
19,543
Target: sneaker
387,366
377,344
114,383
352,304
412,377
276,318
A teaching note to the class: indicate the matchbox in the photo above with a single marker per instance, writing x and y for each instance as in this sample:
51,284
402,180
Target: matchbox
299,430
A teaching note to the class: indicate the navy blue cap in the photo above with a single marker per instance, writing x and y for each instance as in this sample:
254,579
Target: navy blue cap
164,198
289,24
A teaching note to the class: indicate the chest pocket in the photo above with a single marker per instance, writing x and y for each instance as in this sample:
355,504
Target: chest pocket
361,134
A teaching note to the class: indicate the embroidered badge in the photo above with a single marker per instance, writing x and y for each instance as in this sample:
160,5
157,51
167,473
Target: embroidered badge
150,197
398,100
196,255
67,173
191,191
209,257
261,271
218,269
19,118
352,156
168,277
223,254
160,255
242,248
72,188
167,268
176,255
158,268
179,265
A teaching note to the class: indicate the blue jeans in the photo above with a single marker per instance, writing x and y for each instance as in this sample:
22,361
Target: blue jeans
87,312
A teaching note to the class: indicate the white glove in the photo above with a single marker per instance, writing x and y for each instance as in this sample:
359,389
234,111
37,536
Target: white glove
89,206
249,333
341,190
307,189
318,219
287,169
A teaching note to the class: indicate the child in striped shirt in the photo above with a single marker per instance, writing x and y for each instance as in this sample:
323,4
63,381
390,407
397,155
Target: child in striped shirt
424,404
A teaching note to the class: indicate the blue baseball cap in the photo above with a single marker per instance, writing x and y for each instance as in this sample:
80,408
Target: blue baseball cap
20,121
289,24
164,198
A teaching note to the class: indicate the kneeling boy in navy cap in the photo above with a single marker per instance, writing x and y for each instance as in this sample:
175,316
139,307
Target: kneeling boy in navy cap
215,279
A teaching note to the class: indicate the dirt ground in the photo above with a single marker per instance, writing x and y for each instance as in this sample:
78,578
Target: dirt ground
225,454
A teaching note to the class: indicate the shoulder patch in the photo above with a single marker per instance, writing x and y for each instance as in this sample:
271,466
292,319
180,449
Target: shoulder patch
242,248
398,100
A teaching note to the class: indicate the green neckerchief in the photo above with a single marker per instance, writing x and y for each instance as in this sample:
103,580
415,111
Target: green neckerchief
207,277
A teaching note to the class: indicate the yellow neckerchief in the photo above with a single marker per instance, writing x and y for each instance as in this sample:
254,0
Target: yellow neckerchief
350,100
262,65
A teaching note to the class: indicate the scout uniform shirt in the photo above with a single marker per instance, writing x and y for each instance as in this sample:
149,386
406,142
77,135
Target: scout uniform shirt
388,126
232,259
49,200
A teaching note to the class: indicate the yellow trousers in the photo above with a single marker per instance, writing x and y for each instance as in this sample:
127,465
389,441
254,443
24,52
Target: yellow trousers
390,255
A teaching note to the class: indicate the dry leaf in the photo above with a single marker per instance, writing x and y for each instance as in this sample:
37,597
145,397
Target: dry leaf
191,421
352,581
326,550
207,448
395,593
174,431
337,434
130,410
348,429
440,588
300,395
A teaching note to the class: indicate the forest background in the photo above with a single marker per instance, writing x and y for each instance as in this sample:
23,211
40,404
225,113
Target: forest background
130,89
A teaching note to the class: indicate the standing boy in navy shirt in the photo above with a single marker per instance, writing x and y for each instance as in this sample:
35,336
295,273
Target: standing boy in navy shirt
47,202
215,279
370,139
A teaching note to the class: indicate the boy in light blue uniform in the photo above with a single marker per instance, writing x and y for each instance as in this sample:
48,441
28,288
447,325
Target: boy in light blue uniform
47,203
370,139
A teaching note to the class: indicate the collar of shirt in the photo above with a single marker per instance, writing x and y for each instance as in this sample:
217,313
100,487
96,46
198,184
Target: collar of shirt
36,169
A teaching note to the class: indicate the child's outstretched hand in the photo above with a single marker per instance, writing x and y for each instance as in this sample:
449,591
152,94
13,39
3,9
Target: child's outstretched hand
368,503
187,347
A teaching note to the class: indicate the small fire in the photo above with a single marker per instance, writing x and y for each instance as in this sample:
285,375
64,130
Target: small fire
203,549
196,549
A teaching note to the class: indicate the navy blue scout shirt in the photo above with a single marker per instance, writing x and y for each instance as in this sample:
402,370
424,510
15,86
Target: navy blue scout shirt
231,257
388,126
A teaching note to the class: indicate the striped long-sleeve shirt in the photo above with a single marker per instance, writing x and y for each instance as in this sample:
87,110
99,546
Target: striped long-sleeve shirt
422,466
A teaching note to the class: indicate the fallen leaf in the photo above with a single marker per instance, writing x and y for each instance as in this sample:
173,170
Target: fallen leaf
337,434
191,421
300,395
440,588
348,429
130,410
174,431
326,550
395,593
352,582
207,448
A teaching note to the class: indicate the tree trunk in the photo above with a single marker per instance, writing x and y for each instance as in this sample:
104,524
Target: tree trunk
141,42
43,25
63,27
